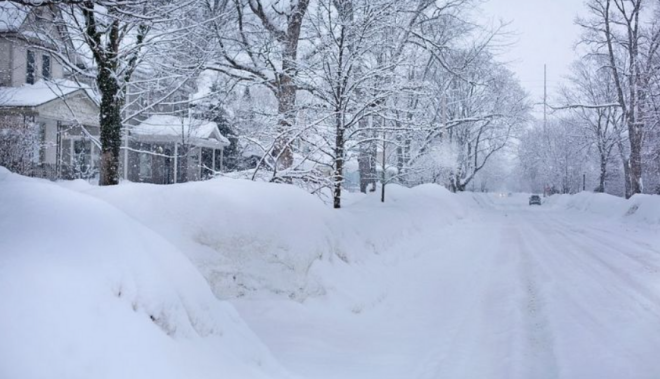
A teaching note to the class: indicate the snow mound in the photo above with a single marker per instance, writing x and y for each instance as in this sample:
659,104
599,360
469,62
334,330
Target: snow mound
243,236
261,238
88,292
405,213
639,208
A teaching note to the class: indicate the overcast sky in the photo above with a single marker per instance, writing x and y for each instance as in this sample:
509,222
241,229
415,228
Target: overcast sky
545,33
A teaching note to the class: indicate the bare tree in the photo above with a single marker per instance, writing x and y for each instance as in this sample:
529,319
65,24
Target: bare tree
258,41
592,101
617,30
340,73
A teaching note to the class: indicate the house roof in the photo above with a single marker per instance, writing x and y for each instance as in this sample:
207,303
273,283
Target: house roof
41,92
12,16
172,128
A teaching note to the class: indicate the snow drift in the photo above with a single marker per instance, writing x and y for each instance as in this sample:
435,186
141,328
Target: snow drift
88,292
639,208
105,281
261,238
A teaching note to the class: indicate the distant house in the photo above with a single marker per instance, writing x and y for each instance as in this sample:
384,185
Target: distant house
62,117
167,149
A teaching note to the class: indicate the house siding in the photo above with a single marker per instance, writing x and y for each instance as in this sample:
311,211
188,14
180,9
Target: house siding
18,64
77,107
13,66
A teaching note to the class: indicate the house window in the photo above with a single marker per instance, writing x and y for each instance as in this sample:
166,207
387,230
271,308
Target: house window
65,156
45,67
31,64
82,158
42,143
145,166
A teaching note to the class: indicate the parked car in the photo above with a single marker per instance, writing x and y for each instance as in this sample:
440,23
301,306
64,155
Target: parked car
535,200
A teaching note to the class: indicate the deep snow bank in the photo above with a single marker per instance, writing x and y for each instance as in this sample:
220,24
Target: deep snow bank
261,238
639,208
242,235
88,292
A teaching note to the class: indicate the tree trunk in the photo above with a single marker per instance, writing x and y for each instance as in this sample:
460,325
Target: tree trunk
460,187
603,174
286,101
367,157
626,169
367,169
635,160
339,161
110,121
286,88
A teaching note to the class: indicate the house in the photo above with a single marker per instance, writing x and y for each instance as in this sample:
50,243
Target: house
165,149
40,102
67,126
34,93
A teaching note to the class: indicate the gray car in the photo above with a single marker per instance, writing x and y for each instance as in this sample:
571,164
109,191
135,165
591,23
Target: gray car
535,200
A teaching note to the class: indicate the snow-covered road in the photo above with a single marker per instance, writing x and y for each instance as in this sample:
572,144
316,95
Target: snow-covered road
512,292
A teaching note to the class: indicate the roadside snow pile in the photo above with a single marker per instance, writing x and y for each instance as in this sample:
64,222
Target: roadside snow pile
644,208
405,213
639,208
88,292
261,238
243,236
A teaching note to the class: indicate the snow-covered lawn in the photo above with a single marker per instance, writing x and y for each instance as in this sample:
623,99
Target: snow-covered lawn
109,282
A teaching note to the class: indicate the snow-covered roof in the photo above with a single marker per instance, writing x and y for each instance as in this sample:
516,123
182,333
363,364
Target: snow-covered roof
172,128
11,16
41,92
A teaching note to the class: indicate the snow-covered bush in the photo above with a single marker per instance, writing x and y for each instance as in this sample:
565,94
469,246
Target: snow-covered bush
19,144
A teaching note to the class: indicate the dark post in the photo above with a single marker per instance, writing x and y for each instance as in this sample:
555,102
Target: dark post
384,174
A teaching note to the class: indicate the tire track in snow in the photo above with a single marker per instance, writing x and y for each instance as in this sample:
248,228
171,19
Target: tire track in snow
597,306
603,238
503,330
583,274
477,340
536,356
644,296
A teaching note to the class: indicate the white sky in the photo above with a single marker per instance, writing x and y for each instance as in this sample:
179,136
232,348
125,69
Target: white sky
545,32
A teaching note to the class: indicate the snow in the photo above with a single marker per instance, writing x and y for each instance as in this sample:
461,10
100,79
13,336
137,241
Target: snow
41,92
426,285
91,293
639,208
508,291
173,127
253,237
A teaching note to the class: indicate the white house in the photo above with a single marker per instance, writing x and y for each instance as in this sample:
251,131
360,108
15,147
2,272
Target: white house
33,92
168,149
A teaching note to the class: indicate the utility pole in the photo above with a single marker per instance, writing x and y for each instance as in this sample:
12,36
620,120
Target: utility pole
384,173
